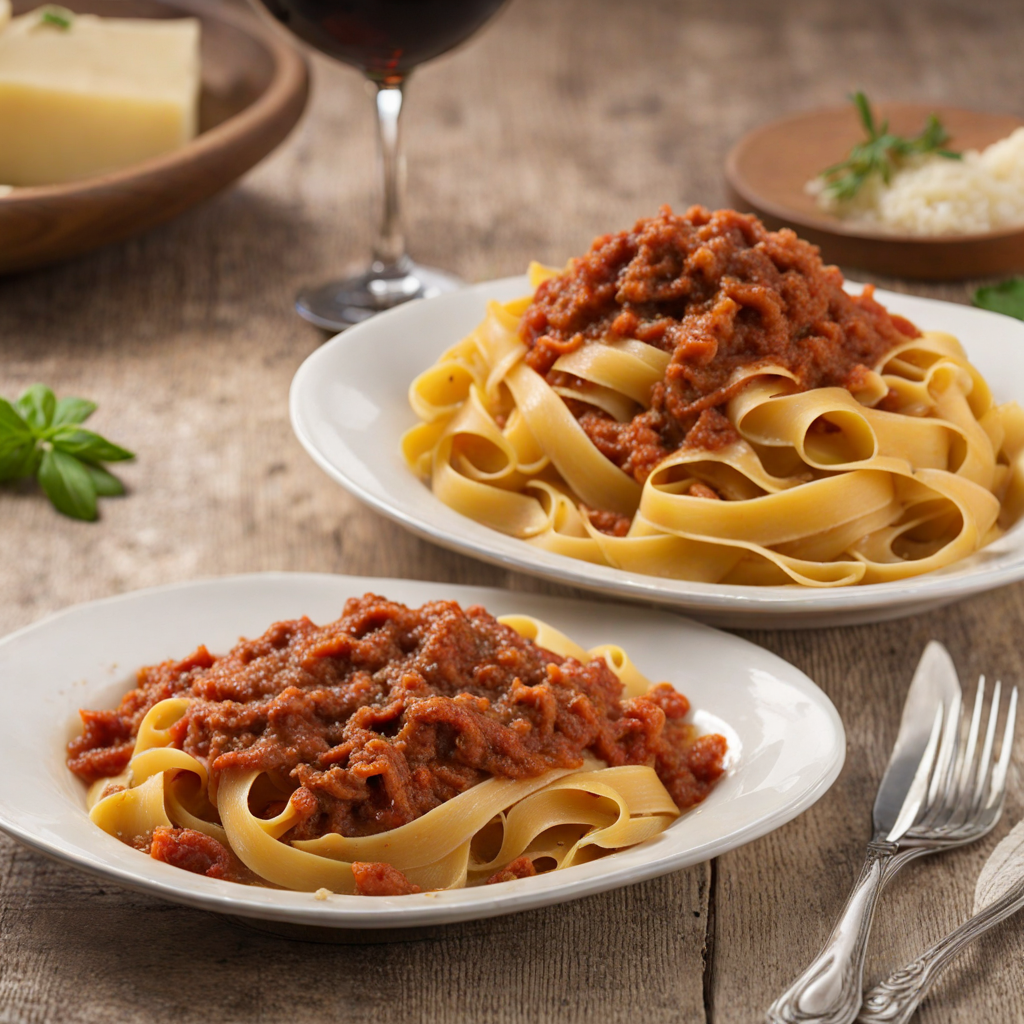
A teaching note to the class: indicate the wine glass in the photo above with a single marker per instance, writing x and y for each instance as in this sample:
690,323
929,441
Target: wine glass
385,39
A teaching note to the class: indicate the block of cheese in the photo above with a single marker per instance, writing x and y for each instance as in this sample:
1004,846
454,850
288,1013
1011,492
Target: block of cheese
80,94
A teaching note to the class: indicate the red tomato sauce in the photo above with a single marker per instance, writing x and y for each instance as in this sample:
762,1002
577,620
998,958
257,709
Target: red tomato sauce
378,717
717,291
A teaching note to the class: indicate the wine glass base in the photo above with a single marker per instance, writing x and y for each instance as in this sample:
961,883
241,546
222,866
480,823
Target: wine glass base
352,300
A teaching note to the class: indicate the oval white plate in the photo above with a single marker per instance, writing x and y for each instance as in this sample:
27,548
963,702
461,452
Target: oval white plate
786,740
349,409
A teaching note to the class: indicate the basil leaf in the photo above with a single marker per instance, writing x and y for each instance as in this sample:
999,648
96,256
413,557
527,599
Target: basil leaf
1006,297
68,485
11,422
107,485
72,410
84,444
37,405
18,455
30,467
42,438
17,458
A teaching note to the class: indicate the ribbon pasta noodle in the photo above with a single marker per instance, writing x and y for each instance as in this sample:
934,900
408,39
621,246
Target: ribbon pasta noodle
497,829
910,468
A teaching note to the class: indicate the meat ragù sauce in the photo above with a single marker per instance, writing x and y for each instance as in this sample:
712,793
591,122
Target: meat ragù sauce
386,713
718,292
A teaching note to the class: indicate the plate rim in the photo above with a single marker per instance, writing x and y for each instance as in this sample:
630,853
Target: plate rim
758,603
377,916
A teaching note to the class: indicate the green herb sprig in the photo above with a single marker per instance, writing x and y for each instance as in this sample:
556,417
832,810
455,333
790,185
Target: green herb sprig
58,17
42,437
882,153
1006,297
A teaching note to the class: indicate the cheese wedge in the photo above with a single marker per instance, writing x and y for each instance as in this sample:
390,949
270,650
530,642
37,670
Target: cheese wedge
83,95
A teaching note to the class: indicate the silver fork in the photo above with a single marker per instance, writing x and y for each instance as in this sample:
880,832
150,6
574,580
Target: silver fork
949,802
973,785
981,788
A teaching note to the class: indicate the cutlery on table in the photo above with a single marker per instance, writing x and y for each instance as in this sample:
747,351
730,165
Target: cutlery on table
999,894
939,791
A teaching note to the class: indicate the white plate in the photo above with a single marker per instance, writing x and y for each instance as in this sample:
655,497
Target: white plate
786,740
349,408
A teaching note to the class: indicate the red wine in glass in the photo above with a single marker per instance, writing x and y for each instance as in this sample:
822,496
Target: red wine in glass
383,38
386,40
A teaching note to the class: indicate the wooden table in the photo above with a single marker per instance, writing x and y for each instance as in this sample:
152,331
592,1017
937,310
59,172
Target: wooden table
561,121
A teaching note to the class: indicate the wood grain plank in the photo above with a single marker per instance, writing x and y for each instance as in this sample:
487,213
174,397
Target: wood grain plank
78,949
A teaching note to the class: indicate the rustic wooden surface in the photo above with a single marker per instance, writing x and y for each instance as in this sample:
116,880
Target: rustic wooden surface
560,121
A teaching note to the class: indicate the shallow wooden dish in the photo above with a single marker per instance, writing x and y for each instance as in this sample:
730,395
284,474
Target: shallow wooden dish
768,168
254,89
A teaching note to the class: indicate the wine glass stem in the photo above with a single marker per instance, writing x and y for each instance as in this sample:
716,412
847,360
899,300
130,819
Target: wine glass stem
389,245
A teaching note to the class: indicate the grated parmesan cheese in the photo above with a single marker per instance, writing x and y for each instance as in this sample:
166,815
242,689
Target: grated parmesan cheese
933,195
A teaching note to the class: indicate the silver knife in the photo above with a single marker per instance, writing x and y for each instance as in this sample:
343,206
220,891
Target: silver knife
999,894
829,990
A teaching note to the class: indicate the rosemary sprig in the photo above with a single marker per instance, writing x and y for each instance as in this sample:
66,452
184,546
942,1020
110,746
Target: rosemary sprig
882,153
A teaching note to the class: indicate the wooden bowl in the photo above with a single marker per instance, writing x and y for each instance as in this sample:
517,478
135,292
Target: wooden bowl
254,89
768,169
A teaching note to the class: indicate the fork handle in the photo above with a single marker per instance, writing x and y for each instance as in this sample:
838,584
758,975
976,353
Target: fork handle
829,991
894,1000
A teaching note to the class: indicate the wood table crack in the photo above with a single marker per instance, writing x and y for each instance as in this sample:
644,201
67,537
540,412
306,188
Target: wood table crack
708,952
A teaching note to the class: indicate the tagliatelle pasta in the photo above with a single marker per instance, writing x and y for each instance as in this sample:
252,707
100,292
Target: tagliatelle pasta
856,450
231,805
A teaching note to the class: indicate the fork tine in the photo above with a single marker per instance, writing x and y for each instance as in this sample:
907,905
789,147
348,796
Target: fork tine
953,805
967,766
997,790
971,802
942,793
985,760
945,763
